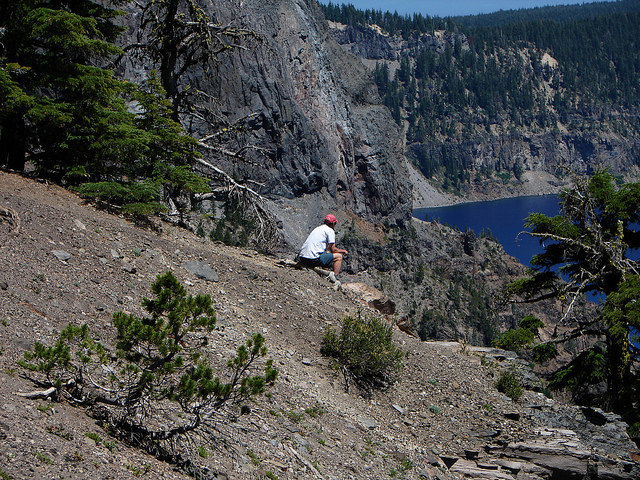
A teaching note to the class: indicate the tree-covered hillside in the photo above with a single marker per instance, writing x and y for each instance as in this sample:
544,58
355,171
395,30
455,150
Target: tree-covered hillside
69,112
544,71
560,13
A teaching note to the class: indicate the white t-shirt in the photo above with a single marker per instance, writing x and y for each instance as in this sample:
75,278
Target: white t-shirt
317,241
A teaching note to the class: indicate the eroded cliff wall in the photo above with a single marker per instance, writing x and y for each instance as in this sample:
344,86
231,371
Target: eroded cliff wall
591,136
326,142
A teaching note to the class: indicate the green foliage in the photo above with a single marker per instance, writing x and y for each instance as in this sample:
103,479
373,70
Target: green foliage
43,458
162,162
531,323
202,452
64,108
160,362
139,471
589,249
56,362
235,228
255,458
72,116
406,465
588,368
366,351
134,197
544,352
520,338
295,417
93,436
315,412
508,384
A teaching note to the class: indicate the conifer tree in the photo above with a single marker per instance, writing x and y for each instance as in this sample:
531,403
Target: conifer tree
159,382
62,107
589,248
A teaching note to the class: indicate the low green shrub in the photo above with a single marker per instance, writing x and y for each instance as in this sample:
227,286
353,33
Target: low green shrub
366,352
509,385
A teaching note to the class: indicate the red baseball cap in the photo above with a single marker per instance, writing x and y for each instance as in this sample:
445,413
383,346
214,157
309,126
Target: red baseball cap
331,219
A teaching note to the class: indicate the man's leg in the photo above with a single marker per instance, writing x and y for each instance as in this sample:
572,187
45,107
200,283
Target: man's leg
337,263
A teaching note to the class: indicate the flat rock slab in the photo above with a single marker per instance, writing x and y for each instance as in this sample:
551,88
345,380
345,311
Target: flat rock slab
61,255
201,270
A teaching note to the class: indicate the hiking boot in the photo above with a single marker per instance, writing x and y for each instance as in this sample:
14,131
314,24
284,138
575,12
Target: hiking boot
332,277
322,272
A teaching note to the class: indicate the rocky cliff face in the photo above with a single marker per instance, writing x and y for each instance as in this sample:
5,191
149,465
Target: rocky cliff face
326,142
557,150
547,162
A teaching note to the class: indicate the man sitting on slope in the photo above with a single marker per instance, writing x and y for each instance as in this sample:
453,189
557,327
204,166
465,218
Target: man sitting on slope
319,250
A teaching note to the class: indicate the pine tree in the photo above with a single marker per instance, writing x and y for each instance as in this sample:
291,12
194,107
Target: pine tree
62,107
588,248
160,382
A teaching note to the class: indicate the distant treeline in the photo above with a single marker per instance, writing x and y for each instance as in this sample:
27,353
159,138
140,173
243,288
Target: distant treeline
578,66
395,23
561,14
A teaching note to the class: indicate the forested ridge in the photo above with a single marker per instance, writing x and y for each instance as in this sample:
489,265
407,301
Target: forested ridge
394,23
545,70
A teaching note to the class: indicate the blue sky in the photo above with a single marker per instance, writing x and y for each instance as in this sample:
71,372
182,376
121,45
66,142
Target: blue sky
443,8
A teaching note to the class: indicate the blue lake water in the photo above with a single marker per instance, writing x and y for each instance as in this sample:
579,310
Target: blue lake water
504,218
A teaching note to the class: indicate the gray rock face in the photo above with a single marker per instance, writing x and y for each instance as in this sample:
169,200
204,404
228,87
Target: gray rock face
577,150
367,42
548,152
325,137
201,270
588,451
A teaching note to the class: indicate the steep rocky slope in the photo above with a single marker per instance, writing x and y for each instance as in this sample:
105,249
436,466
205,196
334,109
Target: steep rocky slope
326,143
64,262
323,140
540,153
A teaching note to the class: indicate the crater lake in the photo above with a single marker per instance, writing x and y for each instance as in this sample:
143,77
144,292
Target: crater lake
503,219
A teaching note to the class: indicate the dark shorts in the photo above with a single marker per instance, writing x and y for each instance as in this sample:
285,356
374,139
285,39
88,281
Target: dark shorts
324,260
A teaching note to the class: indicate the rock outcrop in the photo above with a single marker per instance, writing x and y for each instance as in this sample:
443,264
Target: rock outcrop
554,151
327,142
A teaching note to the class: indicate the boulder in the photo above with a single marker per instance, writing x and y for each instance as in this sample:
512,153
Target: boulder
371,297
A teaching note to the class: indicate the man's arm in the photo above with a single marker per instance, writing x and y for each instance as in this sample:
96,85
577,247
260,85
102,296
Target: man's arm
331,247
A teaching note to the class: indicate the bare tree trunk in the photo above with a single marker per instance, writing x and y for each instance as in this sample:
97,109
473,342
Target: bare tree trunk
619,382
12,142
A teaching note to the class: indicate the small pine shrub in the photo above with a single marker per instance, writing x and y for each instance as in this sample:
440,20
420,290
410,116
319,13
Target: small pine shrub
509,385
159,359
522,337
366,351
